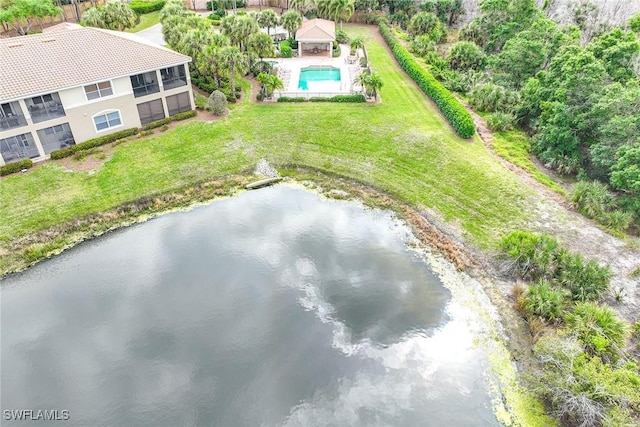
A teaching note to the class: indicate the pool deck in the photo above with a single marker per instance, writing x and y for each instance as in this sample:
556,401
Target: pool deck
289,72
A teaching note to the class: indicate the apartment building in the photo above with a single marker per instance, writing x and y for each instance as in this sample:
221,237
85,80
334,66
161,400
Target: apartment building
72,83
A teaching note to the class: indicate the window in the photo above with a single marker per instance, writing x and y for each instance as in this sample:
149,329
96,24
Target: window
144,84
150,111
178,103
18,147
56,137
106,121
98,90
41,100
173,77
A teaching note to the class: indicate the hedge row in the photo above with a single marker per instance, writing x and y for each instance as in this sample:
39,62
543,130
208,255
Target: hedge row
452,109
184,115
156,123
337,98
91,143
15,167
102,140
141,7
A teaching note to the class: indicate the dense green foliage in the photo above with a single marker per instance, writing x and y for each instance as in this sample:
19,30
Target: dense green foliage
538,256
112,16
594,200
146,6
581,377
572,87
217,58
92,143
582,389
599,329
15,167
452,109
466,56
21,15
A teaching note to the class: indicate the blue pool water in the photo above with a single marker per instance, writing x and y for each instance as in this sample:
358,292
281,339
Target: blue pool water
317,74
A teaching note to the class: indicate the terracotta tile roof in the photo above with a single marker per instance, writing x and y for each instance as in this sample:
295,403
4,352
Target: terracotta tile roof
317,30
69,55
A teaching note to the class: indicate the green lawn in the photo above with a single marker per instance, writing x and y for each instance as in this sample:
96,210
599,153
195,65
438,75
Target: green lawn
147,20
514,146
403,146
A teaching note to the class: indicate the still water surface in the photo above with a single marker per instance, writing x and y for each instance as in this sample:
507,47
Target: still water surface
273,308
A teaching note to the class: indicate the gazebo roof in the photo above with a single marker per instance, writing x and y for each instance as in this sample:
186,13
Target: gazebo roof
317,30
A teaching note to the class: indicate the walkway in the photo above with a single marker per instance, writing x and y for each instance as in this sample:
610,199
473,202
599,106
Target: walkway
153,34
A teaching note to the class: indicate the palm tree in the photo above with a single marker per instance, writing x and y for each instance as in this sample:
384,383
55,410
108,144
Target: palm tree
234,61
269,82
357,43
291,20
193,42
375,84
339,9
267,19
239,29
261,45
371,83
299,5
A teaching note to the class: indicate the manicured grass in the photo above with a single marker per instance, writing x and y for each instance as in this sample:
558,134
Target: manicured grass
147,20
514,147
402,145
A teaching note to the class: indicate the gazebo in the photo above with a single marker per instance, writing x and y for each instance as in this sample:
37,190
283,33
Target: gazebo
316,36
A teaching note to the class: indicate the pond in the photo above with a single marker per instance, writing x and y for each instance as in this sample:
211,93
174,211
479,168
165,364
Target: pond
273,308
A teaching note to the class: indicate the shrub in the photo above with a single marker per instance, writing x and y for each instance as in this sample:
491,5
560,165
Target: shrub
421,45
466,56
348,98
583,390
426,23
156,123
499,121
15,167
217,103
292,99
598,328
285,50
363,62
341,36
452,109
336,52
541,299
337,98
585,281
594,200
141,7
84,153
184,115
493,98
533,255
91,143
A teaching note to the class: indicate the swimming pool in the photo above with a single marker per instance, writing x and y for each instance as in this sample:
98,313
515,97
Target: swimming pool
318,78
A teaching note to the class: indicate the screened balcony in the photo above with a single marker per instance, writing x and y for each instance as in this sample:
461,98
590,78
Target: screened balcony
18,147
56,137
11,116
45,107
